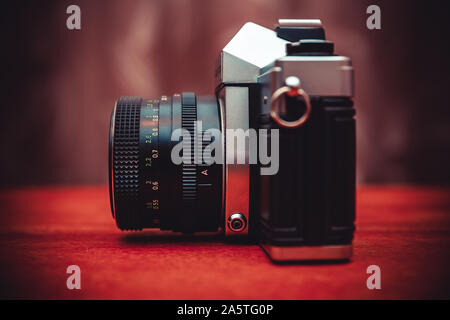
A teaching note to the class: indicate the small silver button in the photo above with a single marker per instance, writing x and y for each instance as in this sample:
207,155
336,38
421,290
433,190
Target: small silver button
237,222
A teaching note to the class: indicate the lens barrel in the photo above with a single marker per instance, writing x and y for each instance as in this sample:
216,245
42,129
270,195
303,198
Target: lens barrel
147,188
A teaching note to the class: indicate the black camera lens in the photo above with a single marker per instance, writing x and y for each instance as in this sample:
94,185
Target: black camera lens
149,190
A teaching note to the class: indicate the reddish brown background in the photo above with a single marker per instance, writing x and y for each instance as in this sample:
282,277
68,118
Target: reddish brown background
59,86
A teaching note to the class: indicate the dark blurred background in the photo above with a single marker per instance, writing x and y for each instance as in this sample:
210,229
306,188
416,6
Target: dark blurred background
59,86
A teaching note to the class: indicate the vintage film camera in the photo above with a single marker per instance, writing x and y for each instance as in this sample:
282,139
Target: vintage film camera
289,87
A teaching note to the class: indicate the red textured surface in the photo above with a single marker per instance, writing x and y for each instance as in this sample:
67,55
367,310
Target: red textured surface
406,231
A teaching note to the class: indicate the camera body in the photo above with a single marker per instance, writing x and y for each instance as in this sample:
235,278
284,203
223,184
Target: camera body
289,86
307,210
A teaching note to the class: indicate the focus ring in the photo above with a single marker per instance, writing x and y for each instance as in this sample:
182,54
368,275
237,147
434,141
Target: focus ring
125,163
189,168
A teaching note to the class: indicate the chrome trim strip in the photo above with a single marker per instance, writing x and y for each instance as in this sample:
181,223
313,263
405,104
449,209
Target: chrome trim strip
305,253
222,131
303,23
237,175
330,76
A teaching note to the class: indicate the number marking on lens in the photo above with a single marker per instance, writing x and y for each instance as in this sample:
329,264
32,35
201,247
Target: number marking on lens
154,204
150,183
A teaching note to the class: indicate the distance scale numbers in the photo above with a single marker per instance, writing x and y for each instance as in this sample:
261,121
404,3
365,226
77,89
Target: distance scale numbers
149,136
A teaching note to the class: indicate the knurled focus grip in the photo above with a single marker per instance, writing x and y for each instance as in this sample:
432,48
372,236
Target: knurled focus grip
125,163
189,170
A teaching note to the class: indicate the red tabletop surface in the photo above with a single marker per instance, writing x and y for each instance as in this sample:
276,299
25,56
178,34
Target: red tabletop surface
404,230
